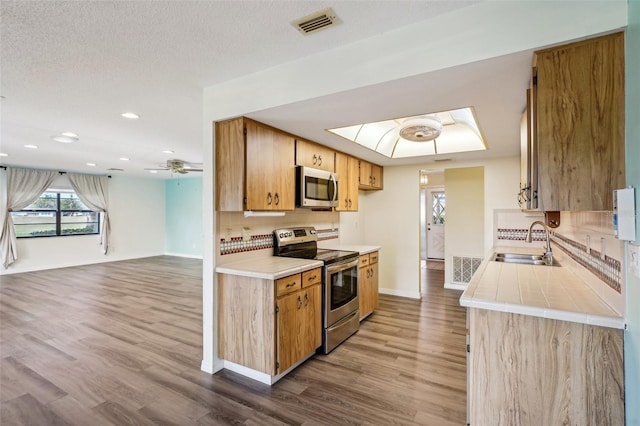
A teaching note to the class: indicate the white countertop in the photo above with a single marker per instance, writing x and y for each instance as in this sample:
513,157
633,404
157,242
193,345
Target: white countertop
334,245
553,292
268,267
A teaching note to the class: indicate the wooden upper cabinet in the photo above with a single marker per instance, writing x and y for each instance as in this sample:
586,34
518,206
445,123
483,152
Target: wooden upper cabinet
580,124
270,168
348,178
370,176
255,168
316,156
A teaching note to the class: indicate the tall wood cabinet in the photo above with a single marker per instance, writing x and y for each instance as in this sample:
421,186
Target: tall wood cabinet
255,167
268,325
348,177
579,95
310,154
368,282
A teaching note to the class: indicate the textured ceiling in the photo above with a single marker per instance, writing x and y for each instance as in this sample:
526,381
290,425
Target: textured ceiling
76,65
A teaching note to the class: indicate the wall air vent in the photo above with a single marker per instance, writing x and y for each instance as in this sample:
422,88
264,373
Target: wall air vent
316,21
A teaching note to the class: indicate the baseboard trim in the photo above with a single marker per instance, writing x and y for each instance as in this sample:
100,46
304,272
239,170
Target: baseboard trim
455,286
207,366
400,293
190,256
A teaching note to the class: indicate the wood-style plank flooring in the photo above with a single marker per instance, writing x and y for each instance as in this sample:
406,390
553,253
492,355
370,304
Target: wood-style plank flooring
121,343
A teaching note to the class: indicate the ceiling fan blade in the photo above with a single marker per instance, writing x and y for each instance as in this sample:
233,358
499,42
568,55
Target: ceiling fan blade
164,168
190,169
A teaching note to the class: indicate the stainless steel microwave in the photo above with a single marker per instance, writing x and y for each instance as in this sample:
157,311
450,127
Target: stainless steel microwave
316,188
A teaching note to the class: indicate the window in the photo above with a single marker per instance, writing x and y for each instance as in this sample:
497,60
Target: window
56,213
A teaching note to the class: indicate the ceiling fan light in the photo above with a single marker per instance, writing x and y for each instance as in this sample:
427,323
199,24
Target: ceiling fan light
421,129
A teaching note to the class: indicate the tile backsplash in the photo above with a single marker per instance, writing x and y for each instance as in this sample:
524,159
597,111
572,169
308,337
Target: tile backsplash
241,236
587,237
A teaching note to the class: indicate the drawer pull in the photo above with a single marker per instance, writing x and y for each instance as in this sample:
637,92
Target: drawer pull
291,284
311,278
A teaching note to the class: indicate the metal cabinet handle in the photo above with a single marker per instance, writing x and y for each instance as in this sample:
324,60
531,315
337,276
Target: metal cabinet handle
277,199
311,278
269,199
319,160
346,203
349,202
299,303
306,299
291,284
315,159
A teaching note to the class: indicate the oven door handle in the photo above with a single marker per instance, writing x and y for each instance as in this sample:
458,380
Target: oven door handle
342,266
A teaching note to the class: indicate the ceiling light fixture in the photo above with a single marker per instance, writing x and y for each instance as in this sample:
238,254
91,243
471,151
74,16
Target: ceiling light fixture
3,154
124,159
91,164
69,134
65,139
421,129
167,151
130,115
31,146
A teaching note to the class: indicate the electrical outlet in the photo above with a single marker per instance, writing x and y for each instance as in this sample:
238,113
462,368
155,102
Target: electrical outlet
634,260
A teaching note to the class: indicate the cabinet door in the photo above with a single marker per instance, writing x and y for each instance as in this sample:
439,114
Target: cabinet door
365,174
311,324
230,145
316,156
373,287
580,103
342,170
269,168
299,326
352,183
376,176
289,313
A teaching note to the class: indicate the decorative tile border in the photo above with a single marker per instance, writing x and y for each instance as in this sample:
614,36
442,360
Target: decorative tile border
238,245
608,269
264,241
520,234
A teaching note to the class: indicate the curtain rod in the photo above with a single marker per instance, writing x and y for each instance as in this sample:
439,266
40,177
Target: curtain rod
60,173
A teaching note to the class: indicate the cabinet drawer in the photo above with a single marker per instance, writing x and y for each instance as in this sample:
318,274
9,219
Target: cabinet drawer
373,257
364,260
288,284
314,276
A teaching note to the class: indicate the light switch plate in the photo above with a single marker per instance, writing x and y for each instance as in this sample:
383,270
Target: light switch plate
634,260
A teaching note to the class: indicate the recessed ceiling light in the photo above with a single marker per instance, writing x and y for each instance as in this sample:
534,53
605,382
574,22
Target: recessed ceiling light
167,151
65,139
69,134
131,115
153,171
124,159
31,146
2,154
91,164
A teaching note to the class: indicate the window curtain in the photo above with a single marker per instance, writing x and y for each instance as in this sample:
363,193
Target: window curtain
24,186
93,191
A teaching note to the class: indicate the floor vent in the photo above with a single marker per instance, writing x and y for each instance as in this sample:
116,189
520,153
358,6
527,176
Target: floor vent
464,268
317,21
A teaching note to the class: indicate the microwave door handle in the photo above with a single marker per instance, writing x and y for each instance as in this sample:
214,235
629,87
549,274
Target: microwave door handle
335,189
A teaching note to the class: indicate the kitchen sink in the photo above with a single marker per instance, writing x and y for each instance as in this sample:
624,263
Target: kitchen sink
525,259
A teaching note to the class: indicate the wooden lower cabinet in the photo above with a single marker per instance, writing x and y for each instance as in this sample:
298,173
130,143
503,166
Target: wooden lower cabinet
526,370
368,282
269,325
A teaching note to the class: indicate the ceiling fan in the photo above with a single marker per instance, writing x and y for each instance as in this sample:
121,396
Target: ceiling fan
180,166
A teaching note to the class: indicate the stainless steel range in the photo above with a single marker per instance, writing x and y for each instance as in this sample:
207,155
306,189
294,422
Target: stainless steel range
339,281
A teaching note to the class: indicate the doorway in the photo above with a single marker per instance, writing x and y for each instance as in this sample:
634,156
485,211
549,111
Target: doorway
432,221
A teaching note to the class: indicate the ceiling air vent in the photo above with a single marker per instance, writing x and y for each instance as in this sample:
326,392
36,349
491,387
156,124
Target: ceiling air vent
316,21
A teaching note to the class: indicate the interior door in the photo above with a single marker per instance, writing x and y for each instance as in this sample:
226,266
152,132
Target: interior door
435,219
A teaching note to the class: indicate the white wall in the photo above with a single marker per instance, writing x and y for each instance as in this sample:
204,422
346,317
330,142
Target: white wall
137,230
391,218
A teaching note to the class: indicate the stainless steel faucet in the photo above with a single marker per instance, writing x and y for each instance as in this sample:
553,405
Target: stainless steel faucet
548,255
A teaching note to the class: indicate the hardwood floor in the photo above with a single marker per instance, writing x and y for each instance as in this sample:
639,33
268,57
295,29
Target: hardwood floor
120,343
